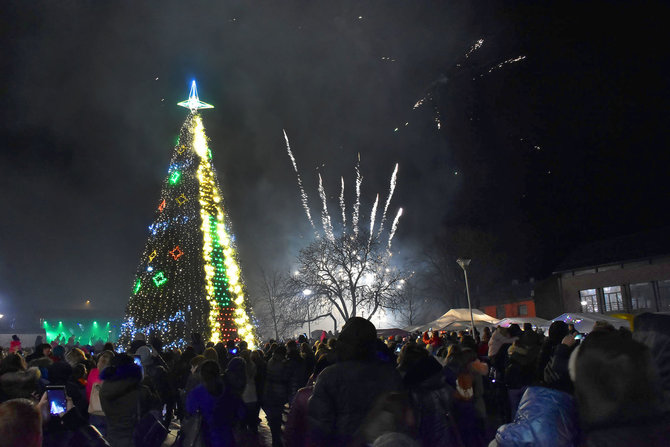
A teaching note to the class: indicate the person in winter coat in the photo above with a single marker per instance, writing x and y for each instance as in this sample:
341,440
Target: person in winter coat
157,379
138,341
556,372
75,388
557,332
464,372
432,401
104,360
121,396
60,370
308,356
43,350
219,406
16,380
236,375
346,391
15,344
296,432
295,369
276,393
500,337
653,330
545,418
249,395
618,392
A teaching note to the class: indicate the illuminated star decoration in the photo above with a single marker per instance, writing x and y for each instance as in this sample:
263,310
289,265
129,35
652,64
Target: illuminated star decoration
176,252
193,103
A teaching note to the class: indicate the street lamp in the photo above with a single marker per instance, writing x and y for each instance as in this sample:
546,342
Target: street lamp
307,293
464,263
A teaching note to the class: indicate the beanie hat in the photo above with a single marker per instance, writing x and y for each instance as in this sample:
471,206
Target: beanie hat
358,330
422,370
145,355
58,352
140,336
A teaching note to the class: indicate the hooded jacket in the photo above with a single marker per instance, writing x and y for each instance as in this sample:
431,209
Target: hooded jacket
19,384
545,418
343,395
120,393
431,398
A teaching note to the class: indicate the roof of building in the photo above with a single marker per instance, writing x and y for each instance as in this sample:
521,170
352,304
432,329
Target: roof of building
505,293
633,247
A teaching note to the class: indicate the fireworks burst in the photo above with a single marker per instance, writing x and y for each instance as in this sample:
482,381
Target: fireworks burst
394,176
507,62
442,79
357,204
342,205
325,217
477,45
303,195
373,214
394,227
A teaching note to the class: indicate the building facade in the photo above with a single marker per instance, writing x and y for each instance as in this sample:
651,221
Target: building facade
628,287
630,274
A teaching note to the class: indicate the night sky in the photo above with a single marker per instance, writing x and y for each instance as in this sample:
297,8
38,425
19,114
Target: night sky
565,146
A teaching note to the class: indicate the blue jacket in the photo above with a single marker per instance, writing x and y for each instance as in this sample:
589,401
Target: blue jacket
218,413
545,418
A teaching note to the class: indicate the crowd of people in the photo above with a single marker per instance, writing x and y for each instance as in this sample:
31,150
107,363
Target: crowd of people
507,387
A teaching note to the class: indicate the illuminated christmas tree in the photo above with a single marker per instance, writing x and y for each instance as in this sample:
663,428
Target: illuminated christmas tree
188,279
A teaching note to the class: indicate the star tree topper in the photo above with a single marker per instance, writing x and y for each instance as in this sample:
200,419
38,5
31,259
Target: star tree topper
193,103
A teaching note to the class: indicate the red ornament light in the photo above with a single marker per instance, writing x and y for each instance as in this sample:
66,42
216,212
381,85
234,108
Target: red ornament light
161,207
176,252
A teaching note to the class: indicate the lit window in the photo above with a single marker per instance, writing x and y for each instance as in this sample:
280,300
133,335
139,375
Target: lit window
664,295
589,300
641,296
523,310
613,299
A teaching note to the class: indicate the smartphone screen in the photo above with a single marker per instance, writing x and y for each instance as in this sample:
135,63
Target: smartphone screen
137,360
57,399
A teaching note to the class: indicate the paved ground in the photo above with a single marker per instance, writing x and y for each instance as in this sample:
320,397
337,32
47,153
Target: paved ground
264,439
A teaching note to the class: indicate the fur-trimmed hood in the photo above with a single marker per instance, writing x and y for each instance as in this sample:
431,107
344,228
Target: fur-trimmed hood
20,383
119,381
41,362
122,372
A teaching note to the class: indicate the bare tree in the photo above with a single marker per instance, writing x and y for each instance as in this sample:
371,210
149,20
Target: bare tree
444,278
278,298
413,304
349,276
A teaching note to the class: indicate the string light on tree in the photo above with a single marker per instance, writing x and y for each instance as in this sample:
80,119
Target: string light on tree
190,260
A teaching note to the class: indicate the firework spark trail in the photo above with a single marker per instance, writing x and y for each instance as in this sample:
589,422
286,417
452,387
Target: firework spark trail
343,206
475,47
357,204
394,176
507,62
373,214
303,195
394,227
325,217
419,103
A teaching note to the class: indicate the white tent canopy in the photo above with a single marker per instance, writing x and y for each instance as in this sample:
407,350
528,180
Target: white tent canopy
584,322
456,319
535,321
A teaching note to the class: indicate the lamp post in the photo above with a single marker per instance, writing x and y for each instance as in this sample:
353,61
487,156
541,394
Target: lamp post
464,263
307,293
